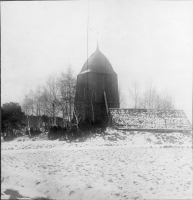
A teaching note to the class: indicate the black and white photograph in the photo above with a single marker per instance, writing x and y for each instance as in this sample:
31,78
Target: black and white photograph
96,100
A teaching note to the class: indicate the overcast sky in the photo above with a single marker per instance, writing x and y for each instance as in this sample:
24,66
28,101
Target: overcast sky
143,40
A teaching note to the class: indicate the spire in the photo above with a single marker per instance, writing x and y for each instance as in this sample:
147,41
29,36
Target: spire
97,43
97,46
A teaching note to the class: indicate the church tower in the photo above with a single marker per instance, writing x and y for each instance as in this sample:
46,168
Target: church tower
96,89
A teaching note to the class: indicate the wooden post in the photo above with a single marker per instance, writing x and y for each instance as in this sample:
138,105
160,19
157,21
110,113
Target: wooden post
106,104
92,107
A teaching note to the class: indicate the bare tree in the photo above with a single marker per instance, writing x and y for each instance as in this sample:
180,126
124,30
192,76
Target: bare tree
134,94
31,101
37,103
51,94
121,97
44,102
26,106
66,83
167,102
63,100
71,89
151,99
54,99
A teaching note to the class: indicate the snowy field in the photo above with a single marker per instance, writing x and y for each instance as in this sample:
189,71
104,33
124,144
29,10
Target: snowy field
93,170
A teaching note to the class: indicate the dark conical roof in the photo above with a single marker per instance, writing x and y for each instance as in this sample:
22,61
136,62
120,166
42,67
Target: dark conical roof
97,63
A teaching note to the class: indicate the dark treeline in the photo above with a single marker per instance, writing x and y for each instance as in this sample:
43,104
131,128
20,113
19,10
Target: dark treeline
12,119
50,107
15,123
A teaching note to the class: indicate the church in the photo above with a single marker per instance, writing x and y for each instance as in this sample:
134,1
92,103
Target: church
96,89
97,101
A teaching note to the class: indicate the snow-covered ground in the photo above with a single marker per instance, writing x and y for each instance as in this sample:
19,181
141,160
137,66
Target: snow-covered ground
110,138
116,165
